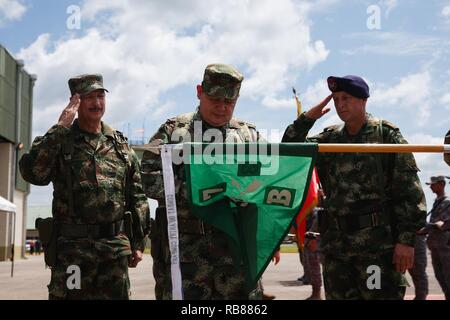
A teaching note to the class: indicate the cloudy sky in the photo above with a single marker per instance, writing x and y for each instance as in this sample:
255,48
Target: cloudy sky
153,53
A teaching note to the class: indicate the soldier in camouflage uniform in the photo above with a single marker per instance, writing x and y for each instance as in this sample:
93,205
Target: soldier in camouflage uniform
96,181
312,254
206,262
374,202
438,235
418,271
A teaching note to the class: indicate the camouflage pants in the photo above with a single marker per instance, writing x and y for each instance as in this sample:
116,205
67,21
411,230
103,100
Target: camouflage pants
207,269
312,267
202,291
346,278
102,276
201,278
301,255
163,283
257,293
160,254
418,272
205,282
440,257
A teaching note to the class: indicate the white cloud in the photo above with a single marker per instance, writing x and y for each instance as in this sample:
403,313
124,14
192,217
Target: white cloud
389,5
411,90
310,97
395,44
273,103
318,5
11,10
446,11
315,93
445,100
146,48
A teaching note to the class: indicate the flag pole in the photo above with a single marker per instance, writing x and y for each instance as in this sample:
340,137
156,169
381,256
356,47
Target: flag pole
344,148
382,148
297,102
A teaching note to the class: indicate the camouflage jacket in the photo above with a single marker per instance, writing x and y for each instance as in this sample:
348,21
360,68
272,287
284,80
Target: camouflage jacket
183,126
100,167
439,212
353,186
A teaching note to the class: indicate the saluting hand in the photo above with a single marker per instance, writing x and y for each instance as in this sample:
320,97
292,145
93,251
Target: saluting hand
319,110
403,257
70,111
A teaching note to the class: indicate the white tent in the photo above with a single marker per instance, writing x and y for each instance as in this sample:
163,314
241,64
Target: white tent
5,205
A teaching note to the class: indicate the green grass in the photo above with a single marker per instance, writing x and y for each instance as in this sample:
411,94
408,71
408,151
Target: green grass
289,248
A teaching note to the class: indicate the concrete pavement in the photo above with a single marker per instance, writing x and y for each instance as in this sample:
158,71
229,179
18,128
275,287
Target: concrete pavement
31,279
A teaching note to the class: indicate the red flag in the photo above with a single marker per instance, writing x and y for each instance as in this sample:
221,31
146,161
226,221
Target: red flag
312,198
311,202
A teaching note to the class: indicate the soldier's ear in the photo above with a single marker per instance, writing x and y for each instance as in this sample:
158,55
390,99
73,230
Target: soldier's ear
365,101
199,91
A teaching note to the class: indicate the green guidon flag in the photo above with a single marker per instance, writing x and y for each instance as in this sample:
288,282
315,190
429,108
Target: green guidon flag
252,192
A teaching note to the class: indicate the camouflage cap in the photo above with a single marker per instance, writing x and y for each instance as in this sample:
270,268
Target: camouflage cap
86,83
221,80
437,179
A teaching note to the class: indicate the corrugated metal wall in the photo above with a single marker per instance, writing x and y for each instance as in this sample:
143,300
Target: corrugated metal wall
8,92
7,95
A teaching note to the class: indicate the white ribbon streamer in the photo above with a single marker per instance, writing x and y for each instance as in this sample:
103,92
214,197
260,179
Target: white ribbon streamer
172,222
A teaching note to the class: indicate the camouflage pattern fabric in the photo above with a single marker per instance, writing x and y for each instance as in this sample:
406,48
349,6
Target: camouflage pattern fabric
104,275
313,258
206,261
345,278
100,165
438,243
221,80
86,83
439,212
352,186
418,271
205,276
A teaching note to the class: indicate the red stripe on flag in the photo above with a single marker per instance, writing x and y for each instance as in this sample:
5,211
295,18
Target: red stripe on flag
310,203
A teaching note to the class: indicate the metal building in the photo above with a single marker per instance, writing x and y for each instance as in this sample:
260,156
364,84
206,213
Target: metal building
16,105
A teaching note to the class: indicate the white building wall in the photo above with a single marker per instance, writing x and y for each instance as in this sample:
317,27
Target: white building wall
7,218
19,201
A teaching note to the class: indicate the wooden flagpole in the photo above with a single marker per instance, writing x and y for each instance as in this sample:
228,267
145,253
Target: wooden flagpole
347,148
383,148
